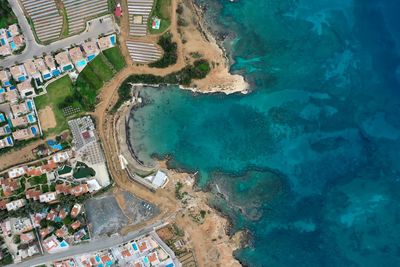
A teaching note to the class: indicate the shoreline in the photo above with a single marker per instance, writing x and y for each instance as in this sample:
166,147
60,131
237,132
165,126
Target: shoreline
211,240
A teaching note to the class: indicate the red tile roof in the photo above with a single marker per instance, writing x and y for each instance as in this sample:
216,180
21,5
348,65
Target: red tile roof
75,225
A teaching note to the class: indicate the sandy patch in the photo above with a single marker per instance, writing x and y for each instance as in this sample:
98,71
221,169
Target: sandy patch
47,118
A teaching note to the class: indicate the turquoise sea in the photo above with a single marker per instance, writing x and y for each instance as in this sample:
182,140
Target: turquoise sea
309,162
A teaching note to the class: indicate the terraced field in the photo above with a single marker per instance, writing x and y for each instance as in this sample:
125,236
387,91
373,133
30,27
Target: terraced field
139,12
45,17
78,11
143,52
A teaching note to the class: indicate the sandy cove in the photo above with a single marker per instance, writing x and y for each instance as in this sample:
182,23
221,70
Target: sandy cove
209,239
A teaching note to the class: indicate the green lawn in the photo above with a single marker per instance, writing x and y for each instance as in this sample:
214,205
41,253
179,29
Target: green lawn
7,17
57,91
102,68
162,10
82,94
115,57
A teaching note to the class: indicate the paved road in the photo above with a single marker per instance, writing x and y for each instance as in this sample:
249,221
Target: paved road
94,245
33,49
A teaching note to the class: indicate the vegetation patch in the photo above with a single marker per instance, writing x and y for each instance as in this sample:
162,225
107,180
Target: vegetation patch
57,92
198,70
68,99
115,57
161,10
170,52
7,16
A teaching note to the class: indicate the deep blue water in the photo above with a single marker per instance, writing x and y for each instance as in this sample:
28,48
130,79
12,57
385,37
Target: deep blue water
309,161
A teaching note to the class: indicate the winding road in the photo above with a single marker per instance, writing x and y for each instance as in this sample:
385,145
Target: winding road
94,28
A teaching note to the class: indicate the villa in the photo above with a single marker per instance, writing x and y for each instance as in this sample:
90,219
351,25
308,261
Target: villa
48,197
19,121
11,96
19,109
50,63
5,78
13,29
6,142
77,58
27,133
91,50
18,72
63,60
5,130
5,51
25,89
16,204
31,69
16,172
107,42
32,194
40,65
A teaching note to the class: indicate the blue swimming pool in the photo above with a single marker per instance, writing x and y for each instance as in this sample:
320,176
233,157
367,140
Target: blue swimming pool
8,34
91,57
2,117
3,42
97,258
7,129
13,88
9,141
7,83
134,246
170,265
80,63
34,130
47,76
21,78
31,118
67,68
56,72
112,39
30,105
2,90
13,47
145,260
63,244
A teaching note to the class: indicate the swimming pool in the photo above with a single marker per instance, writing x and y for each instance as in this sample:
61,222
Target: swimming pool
3,42
67,68
34,130
47,76
145,260
64,244
2,117
9,141
90,57
31,118
112,39
80,63
21,78
30,105
7,83
13,47
134,245
56,72
2,90
13,88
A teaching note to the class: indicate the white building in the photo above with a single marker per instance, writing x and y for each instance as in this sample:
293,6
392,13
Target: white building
48,197
16,204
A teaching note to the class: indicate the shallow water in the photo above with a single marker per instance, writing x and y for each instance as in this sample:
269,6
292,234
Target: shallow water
310,160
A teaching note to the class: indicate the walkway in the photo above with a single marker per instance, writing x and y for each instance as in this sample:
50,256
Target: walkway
104,25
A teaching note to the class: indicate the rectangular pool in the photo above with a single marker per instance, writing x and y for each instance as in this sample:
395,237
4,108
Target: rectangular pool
113,39
47,76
